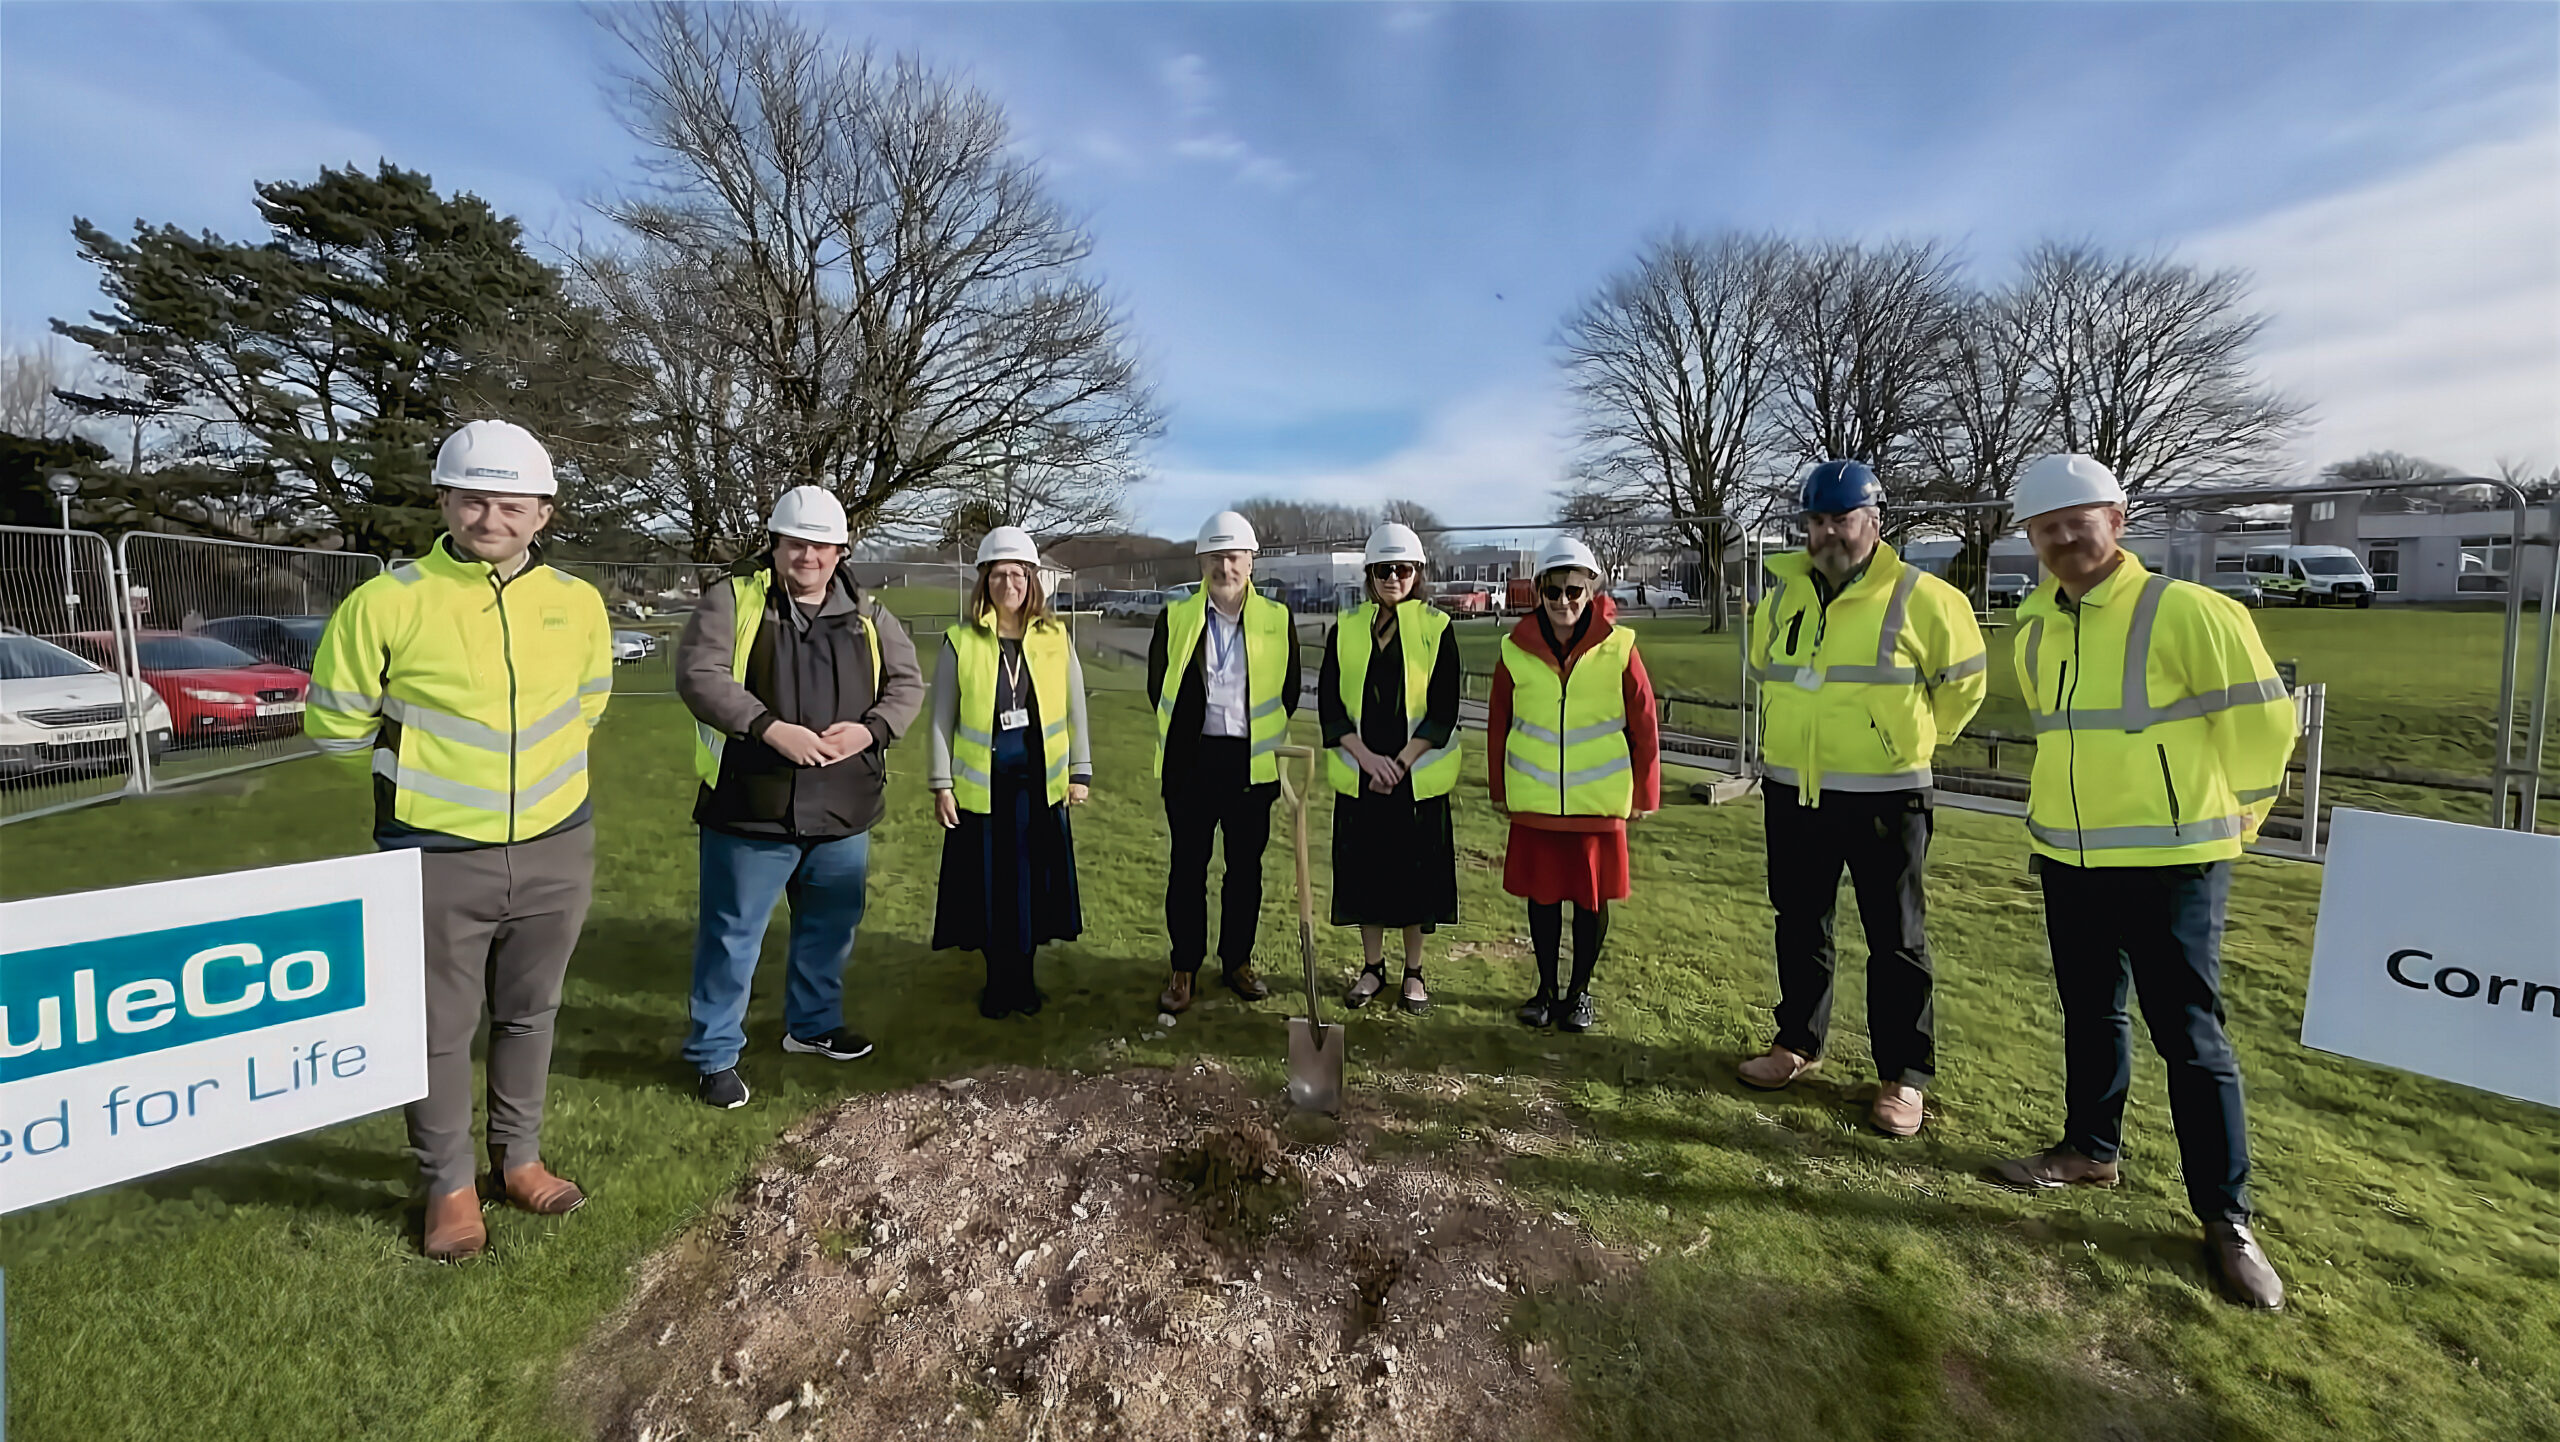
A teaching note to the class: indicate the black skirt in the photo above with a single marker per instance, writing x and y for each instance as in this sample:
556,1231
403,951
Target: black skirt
1009,876
1395,861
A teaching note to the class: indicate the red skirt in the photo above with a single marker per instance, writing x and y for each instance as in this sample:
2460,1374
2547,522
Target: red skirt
1583,867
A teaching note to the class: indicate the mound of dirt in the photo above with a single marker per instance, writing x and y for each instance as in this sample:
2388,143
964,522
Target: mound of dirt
1140,1256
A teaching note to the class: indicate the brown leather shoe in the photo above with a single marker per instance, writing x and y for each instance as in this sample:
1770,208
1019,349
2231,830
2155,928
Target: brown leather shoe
1177,994
2056,1166
1244,982
1775,1068
454,1229
535,1188
2247,1276
1897,1111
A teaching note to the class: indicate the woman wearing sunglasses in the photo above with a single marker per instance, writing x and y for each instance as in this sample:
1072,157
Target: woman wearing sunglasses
1387,698
1574,736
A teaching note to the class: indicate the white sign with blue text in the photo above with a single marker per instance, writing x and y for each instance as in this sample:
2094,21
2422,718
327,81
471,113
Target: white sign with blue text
2438,952
152,1026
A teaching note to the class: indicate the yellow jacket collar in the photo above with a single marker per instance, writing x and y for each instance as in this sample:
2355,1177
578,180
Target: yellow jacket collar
1884,568
2126,580
446,559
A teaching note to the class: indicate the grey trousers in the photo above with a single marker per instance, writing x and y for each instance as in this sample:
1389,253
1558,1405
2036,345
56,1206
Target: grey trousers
500,923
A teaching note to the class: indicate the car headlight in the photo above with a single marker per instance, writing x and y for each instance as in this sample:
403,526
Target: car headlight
233,698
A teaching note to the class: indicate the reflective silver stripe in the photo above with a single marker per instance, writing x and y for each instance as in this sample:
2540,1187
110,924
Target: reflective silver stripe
594,684
1897,613
1263,746
1784,674
1425,760
1054,728
2128,720
975,736
408,575
2135,698
2029,683
461,730
1918,780
2257,794
1595,731
1344,752
353,703
561,775
1057,768
542,730
1962,669
713,741
436,788
1531,770
1605,769
1267,708
972,774
2125,838
342,745
1534,731
1872,675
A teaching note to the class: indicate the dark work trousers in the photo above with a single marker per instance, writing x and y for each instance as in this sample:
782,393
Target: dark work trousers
500,924
1882,838
1216,796
2161,926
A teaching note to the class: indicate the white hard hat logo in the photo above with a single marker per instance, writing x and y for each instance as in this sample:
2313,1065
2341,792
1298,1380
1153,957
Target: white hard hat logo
494,456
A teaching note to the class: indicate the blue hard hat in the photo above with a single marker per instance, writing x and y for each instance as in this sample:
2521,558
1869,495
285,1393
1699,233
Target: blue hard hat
1833,487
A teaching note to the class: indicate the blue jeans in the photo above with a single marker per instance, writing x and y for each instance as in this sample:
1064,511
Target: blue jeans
742,877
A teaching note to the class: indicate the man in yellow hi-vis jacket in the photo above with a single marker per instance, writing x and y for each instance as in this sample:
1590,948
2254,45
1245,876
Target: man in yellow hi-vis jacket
1866,662
472,677
2162,732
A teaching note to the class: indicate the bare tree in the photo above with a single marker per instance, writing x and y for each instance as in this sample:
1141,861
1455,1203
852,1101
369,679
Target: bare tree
29,378
1616,529
1993,417
1675,361
1865,328
2145,362
905,308
1278,522
1411,513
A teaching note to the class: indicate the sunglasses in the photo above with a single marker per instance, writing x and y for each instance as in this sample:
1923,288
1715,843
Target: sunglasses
1565,593
1395,570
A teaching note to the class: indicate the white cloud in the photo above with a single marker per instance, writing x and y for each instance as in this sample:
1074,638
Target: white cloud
1493,457
1195,91
2420,313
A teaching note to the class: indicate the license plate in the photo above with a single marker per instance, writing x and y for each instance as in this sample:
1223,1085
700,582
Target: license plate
279,708
83,735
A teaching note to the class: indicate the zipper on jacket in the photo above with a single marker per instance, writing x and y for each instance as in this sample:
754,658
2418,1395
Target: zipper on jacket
507,649
2063,695
2169,784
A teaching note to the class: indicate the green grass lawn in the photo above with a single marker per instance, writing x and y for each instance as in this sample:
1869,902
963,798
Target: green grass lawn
1806,1278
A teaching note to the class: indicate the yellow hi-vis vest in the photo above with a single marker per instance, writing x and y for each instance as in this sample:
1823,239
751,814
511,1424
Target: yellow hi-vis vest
975,647
1420,631
493,688
1857,695
1270,664
2162,729
1566,754
750,593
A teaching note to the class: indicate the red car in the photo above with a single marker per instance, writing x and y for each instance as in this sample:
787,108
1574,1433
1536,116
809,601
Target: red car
214,689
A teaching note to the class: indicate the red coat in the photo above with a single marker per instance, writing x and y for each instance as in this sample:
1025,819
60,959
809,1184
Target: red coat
1582,859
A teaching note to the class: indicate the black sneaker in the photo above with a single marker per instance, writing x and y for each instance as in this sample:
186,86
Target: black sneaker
1539,1010
724,1089
837,1045
1575,1012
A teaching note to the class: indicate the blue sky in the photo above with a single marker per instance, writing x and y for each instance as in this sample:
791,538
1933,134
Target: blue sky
1345,233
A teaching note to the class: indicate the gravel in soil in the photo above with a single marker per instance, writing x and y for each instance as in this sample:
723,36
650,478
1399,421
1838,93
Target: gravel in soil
1142,1255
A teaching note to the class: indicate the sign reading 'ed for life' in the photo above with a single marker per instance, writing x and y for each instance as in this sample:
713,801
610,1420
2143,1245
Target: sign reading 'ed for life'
2438,952
152,1026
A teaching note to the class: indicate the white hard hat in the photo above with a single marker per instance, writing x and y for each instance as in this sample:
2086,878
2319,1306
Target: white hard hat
1008,543
1566,552
1226,531
810,513
495,456
2057,483
1394,541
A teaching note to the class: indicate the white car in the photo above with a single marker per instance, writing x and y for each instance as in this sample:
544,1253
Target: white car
633,646
1654,593
59,712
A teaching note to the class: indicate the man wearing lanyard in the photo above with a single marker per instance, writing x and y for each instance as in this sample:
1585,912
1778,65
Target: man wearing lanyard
1222,669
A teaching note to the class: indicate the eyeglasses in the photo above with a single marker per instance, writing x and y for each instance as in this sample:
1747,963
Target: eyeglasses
1565,593
1395,570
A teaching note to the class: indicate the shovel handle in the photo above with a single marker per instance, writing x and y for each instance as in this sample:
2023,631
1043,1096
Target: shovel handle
1298,797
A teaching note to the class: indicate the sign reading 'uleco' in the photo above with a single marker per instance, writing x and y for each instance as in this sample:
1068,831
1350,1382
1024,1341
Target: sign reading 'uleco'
148,1027
2438,952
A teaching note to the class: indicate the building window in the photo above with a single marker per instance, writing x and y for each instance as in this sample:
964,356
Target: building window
2324,510
2231,565
2382,558
2485,563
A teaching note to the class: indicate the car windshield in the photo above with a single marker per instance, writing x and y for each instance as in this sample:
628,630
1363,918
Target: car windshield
303,628
2009,578
191,653
2331,565
24,658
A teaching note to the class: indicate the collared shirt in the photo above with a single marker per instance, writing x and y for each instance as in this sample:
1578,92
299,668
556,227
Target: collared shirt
1222,674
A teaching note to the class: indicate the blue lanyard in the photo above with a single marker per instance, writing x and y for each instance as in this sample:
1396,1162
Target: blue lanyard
1223,656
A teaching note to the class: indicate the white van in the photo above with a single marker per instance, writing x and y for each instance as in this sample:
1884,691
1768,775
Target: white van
2310,576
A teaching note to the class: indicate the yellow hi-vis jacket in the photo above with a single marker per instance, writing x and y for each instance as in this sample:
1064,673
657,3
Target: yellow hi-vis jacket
1856,696
750,593
475,695
977,651
1420,632
1567,753
1270,665
2162,729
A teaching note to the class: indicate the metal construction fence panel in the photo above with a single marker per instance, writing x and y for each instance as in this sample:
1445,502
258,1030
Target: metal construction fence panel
71,718
224,633
649,602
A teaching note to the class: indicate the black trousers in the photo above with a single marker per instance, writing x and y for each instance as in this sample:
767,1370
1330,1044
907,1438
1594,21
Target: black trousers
2160,927
1215,794
1882,838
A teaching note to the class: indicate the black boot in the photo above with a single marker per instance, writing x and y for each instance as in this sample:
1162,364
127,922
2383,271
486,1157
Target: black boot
1540,1010
1575,1012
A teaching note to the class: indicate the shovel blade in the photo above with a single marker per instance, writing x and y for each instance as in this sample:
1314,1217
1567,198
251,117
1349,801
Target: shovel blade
1315,1066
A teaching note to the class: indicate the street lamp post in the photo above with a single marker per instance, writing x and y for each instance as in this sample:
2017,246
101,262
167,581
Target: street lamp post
64,486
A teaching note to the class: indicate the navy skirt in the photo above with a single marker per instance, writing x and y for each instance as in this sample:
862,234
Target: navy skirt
1009,876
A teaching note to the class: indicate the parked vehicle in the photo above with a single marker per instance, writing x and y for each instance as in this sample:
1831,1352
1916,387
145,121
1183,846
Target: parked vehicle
2239,588
1469,598
2008,588
61,712
2311,575
631,646
285,640
1648,593
214,689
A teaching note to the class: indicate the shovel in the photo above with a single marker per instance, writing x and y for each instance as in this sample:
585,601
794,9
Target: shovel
1315,1050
